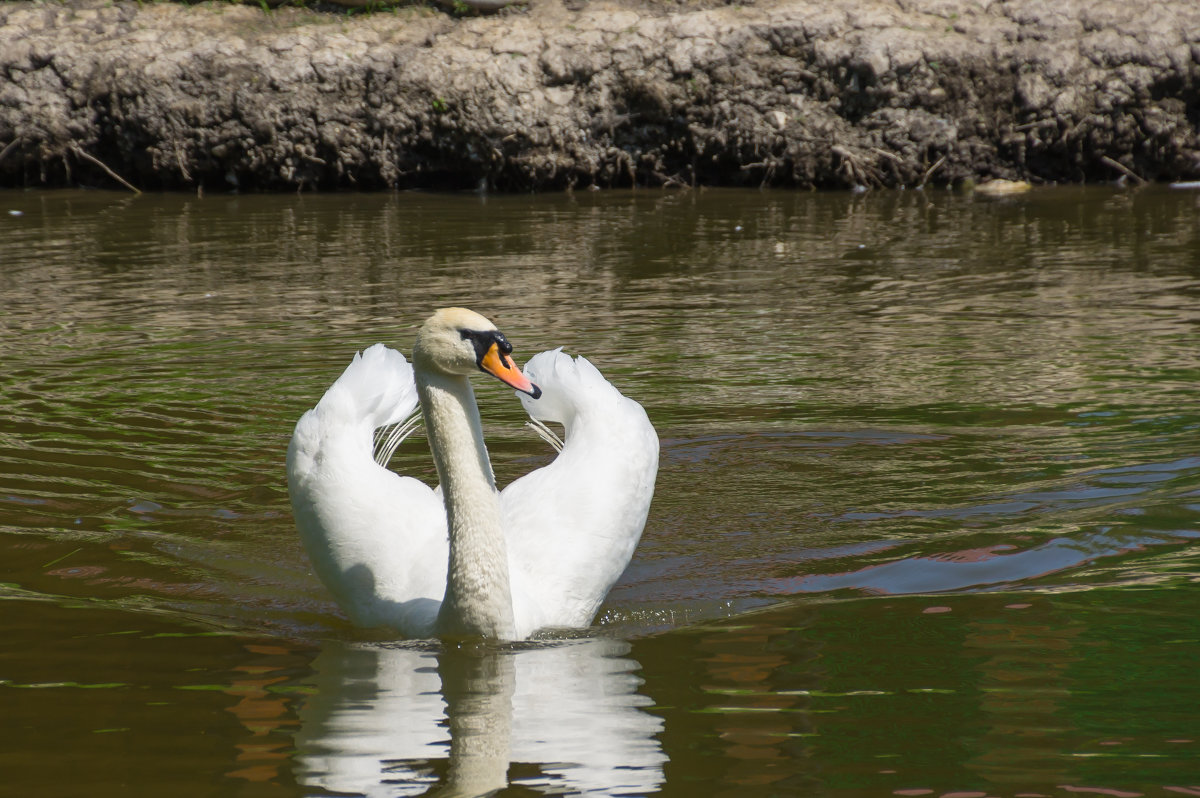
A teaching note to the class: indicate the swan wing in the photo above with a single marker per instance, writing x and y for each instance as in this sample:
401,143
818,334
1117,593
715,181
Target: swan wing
572,525
375,538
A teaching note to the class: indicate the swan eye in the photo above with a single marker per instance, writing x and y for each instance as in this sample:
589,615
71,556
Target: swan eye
482,341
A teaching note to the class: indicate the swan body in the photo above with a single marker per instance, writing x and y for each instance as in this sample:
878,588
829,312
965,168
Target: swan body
466,559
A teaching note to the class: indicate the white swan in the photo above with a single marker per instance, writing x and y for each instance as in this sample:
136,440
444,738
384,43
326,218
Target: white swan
541,554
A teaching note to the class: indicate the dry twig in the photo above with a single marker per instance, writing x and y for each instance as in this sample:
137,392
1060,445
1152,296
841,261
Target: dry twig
75,149
9,147
1123,169
929,172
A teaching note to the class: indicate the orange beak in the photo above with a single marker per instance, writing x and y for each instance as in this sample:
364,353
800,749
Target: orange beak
504,368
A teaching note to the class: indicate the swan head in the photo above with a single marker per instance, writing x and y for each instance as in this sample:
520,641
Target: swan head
460,342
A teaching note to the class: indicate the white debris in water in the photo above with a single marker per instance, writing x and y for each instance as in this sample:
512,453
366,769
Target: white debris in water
16,213
1001,188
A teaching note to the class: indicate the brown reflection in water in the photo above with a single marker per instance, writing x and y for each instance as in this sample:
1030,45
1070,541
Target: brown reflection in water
1024,676
753,720
265,755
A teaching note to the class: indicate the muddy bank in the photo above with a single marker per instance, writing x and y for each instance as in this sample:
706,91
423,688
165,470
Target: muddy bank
827,93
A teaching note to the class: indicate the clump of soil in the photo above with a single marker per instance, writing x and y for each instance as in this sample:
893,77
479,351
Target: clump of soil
826,93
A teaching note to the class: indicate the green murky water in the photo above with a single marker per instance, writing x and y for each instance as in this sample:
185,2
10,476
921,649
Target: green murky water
926,524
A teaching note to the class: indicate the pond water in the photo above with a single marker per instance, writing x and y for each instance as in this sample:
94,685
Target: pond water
926,523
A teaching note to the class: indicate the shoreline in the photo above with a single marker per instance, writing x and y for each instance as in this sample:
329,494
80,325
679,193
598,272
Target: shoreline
782,93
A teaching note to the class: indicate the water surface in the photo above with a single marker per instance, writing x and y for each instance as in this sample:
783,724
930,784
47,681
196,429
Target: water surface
926,520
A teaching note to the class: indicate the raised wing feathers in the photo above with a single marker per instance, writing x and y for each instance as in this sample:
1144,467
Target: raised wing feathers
572,526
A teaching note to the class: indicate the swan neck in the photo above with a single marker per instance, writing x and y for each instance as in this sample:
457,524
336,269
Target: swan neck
478,600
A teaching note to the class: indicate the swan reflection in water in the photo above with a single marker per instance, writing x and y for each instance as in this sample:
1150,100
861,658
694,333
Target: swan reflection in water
392,720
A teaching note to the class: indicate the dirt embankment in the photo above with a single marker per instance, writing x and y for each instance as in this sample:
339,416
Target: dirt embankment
829,93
